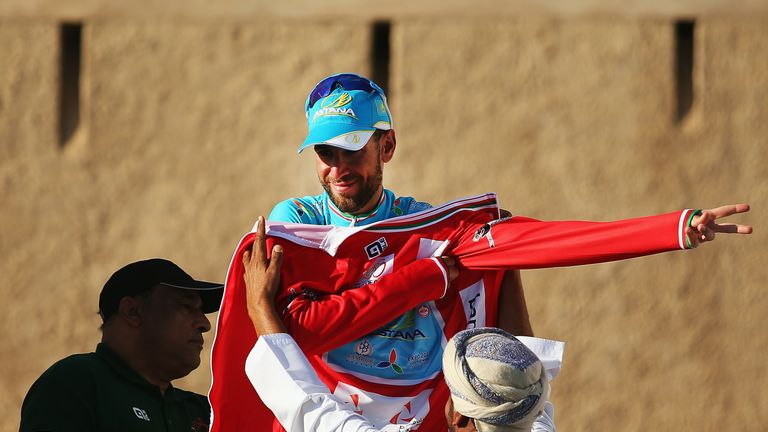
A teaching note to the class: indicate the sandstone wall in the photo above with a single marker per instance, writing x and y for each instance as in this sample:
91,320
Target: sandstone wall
188,128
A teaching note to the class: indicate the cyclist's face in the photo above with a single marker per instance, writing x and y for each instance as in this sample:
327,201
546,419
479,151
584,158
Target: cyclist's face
353,179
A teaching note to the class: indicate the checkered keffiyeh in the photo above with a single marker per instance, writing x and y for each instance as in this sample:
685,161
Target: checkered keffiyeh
495,379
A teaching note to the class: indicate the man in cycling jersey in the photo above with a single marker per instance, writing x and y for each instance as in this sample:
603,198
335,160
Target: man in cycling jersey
352,135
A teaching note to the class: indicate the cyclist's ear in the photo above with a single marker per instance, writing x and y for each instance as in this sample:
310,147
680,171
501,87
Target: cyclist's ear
387,144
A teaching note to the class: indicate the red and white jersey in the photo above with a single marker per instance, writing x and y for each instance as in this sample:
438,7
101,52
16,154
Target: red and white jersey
340,285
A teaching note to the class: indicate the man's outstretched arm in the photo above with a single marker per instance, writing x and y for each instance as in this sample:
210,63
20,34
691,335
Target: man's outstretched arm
523,243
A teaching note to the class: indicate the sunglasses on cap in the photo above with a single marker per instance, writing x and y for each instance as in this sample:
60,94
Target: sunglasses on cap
347,81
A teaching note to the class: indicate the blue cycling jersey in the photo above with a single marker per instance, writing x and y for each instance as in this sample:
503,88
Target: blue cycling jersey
404,351
320,210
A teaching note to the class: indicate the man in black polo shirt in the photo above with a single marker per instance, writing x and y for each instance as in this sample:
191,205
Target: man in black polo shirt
154,320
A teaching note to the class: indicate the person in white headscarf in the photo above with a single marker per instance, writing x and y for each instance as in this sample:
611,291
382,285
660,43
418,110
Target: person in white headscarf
498,382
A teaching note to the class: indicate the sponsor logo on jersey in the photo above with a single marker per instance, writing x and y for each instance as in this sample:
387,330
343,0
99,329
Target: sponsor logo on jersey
360,360
473,300
405,329
423,311
376,248
364,348
392,363
485,232
471,321
140,413
405,335
335,106
382,266
417,342
305,293
418,359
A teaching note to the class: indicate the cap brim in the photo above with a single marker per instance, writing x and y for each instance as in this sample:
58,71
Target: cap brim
210,293
352,140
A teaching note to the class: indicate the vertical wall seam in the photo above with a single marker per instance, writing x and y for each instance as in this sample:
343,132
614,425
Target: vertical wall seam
70,58
684,64
380,54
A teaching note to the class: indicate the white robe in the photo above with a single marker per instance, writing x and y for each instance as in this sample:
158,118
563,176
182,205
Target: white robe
286,382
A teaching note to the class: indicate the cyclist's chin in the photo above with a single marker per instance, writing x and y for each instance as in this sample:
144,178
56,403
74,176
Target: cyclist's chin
348,203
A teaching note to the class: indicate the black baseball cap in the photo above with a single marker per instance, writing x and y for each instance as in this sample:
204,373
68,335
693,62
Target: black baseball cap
141,276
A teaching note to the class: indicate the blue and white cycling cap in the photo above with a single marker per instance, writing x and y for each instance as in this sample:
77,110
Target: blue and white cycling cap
344,110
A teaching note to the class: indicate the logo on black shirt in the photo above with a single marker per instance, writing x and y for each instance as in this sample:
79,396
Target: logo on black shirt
140,413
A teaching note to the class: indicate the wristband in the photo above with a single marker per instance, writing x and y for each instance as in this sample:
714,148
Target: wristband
688,225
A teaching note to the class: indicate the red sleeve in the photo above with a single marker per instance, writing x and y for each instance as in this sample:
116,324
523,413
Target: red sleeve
332,320
522,243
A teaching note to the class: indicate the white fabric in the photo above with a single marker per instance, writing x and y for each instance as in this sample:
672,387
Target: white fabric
288,385
546,421
286,382
549,352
